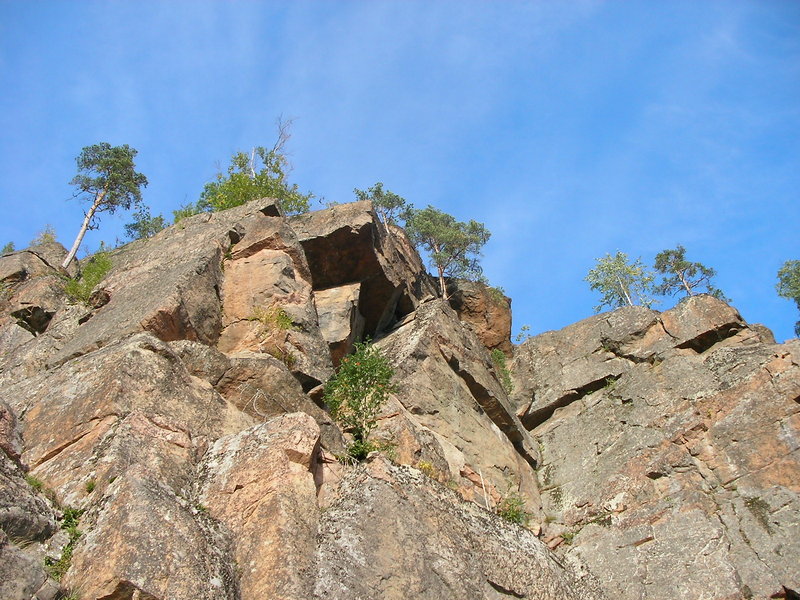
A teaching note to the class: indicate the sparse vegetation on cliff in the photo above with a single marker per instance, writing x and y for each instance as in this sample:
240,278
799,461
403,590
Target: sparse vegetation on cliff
789,285
356,393
92,273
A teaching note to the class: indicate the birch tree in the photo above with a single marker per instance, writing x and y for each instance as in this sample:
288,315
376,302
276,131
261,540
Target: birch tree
789,285
620,282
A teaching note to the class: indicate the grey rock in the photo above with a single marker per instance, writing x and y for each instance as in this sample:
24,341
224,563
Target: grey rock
371,547
667,436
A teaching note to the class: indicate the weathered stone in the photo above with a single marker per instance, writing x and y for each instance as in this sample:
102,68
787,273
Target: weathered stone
31,262
558,368
393,533
690,448
131,402
260,484
21,574
146,542
486,310
268,304
339,318
447,387
205,362
168,284
347,244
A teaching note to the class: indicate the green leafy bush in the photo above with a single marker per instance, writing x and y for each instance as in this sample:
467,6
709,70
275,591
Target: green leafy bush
94,271
356,393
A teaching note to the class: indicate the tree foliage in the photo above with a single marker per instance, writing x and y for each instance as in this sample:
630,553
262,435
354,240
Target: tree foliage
107,177
45,236
388,205
620,282
260,174
788,285
357,391
8,248
144,225
680,275
454,247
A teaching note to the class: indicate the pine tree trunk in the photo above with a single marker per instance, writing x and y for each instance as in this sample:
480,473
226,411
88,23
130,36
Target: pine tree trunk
86,221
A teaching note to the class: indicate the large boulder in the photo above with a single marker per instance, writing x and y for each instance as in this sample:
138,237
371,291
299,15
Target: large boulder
557,368
130,402
486,310
669,451
168,285
260,484
27,520
267,301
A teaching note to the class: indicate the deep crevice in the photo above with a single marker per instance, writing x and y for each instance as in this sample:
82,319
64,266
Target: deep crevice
495,410
533,419
706,340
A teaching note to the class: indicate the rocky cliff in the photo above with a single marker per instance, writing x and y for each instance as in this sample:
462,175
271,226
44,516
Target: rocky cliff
170,440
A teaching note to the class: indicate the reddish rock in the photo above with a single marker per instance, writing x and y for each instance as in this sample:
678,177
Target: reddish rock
486,310
260,485
347,244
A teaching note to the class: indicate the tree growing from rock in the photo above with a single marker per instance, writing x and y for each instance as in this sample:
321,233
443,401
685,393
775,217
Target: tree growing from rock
356,393
789,285
620,282
144,225
261,173
106,176
680,275
454,247
387,204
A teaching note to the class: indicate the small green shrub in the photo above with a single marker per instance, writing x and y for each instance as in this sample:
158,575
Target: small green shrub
512,509
273,318
45,236
9,247
34,482
568,537
90,485
427,469
188,210
499,360
93,272
497,295
69,523
356,393
283,355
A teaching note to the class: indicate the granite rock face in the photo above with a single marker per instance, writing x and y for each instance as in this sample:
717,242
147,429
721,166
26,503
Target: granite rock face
452,412
180,418
669,450
371,547
486,310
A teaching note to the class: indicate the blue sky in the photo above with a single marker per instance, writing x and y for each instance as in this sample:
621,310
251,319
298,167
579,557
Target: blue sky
571,129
